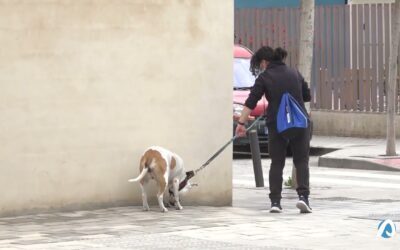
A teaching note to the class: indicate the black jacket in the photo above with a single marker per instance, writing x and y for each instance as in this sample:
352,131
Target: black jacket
274,82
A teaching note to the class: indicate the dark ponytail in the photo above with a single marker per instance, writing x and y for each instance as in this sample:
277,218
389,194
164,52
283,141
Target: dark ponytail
279,54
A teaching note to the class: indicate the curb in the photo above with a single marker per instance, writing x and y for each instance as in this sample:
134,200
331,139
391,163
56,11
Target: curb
352,163
321,151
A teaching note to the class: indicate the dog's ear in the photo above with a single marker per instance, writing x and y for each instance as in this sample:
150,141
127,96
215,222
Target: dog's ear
185,182
189,174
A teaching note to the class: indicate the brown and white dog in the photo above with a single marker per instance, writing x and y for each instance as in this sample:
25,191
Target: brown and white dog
166,168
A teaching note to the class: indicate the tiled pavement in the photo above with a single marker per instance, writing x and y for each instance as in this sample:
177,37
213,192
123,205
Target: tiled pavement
347,204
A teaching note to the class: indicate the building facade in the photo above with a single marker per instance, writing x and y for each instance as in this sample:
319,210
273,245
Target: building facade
87,86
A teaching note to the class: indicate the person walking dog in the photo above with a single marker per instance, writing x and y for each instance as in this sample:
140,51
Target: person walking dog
275,79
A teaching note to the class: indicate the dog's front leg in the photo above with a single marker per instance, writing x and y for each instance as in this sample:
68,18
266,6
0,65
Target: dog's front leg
176,194
169,200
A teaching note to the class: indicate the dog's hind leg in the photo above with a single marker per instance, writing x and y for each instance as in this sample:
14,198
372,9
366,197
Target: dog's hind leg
176,194
162,186
144,195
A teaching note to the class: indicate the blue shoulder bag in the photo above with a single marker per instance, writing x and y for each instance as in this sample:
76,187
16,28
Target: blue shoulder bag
291,118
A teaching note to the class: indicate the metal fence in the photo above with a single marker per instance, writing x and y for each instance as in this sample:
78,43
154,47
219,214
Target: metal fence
351,51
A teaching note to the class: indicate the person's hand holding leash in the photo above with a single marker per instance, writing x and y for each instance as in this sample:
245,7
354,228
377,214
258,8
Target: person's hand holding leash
241,129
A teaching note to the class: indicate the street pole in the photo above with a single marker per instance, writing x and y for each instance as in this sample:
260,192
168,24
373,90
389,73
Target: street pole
392,83
306,50
256,156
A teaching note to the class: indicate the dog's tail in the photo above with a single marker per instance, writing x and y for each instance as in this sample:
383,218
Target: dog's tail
146,167
142,174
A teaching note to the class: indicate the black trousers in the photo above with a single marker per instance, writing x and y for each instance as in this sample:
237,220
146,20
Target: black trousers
277,147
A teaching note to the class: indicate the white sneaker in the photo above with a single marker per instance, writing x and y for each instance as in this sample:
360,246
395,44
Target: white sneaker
303,205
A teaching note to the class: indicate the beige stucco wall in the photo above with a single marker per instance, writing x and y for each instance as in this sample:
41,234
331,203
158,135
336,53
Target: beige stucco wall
87,85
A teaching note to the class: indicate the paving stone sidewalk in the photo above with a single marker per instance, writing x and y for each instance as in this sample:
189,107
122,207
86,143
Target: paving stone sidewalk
345,216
